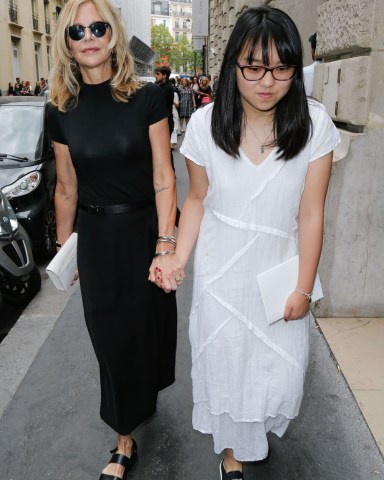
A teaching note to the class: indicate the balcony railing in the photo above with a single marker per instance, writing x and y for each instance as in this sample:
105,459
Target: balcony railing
163,11
47,26
12,13
182,14
35,21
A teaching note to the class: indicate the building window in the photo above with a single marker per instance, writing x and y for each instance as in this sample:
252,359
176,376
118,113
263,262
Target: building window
176,36
49,58
37,60
15,58
184,24
46,16
164,23
12,11
35,18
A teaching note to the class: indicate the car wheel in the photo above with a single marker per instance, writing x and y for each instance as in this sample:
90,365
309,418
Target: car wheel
48,249
21,292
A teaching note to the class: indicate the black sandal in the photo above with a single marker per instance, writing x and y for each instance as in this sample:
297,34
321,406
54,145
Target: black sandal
120,459
233,475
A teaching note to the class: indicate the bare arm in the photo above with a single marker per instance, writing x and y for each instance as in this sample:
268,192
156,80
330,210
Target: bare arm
192,212
65,193
163,177
311,221
165,191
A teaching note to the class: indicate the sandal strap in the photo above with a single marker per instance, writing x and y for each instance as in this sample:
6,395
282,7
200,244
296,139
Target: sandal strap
105,476
120,459
234,475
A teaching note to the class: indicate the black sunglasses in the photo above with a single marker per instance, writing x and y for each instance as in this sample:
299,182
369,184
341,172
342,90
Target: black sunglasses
77,32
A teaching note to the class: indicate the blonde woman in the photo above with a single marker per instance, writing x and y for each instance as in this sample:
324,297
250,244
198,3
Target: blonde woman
104,125
187,103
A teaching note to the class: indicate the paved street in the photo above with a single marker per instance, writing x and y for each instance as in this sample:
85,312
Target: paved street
52,430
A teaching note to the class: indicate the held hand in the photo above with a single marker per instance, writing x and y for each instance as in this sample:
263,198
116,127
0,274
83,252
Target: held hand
76,277
297,307
166,272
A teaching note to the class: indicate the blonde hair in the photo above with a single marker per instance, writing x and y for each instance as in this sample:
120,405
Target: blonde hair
65,78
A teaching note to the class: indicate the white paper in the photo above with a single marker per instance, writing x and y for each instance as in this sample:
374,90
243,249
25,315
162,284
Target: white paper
63,266
277,283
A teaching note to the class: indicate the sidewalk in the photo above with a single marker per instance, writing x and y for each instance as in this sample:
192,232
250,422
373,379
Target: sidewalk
50,427
358,347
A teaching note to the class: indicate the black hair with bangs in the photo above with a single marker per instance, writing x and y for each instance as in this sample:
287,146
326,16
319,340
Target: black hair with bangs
260,27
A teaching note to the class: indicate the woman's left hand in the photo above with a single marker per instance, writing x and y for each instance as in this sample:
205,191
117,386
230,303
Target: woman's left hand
297,307
166,272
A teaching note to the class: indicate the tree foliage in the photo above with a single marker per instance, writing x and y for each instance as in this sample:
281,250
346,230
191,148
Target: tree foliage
180,56
183,57
162,43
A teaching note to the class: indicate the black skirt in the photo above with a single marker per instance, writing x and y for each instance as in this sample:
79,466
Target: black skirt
131,322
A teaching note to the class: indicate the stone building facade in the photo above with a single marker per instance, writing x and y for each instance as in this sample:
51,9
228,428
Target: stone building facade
349,82
181,19
26,28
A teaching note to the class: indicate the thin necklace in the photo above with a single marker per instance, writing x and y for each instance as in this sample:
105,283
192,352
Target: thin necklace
264,144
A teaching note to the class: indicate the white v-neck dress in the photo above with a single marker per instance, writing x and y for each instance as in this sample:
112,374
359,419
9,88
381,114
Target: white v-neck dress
247,376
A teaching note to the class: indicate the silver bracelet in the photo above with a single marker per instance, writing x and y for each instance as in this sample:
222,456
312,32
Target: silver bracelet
160,240
164,252
167,238
307,295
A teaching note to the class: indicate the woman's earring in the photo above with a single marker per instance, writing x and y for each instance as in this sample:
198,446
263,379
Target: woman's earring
114,58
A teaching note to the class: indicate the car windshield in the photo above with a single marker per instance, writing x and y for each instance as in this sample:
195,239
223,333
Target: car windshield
21,130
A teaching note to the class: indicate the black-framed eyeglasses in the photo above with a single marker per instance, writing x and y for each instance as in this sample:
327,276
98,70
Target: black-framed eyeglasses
77,32
252,73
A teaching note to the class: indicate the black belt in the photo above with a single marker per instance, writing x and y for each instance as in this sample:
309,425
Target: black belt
121,208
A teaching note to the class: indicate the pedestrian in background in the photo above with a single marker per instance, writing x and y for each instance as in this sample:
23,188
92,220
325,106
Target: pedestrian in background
18,87
187,103
162,79
175,112
309,71
196,90
111,141
205,90
37,88
259,160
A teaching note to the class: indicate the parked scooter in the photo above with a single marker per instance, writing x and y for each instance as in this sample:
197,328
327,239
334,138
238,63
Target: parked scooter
19,277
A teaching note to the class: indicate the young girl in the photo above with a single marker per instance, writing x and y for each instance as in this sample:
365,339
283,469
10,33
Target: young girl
259,161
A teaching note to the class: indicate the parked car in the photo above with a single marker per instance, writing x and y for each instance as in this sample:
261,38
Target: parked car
28,170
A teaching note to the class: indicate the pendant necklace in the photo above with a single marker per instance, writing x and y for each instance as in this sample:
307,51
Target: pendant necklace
264,144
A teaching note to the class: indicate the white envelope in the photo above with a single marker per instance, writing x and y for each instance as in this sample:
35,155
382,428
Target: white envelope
63,266
277,283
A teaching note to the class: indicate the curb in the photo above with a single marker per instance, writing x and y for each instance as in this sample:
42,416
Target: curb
21,346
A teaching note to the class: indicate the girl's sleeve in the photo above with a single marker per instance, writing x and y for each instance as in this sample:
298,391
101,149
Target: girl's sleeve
325,135
192,147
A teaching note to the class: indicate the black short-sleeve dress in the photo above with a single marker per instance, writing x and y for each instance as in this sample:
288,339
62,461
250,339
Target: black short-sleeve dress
131,322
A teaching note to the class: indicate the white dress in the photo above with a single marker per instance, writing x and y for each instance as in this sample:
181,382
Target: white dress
247,376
